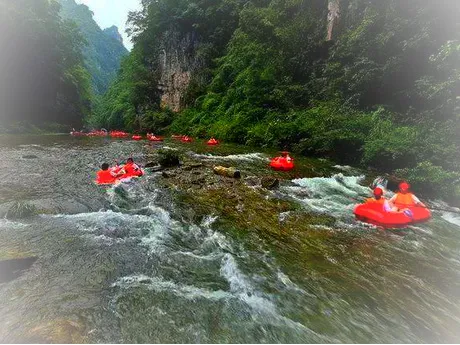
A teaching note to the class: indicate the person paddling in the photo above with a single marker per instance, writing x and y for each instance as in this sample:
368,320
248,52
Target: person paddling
105,175
404,199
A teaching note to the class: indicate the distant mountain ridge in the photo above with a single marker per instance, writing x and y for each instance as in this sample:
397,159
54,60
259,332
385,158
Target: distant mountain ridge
114,33
105,49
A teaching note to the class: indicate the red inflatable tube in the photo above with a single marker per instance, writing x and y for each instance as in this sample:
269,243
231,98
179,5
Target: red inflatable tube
124,177
118,134
282,163
212,142
374,214
97,134
136,137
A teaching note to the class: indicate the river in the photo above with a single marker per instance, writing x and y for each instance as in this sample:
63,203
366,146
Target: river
117,265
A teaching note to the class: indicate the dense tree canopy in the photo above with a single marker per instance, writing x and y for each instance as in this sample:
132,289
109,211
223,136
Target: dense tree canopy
42,78
384,93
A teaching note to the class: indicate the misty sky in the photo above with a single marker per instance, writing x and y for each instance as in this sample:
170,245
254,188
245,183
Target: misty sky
112,12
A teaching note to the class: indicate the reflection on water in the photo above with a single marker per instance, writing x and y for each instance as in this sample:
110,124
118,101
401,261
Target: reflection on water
115,265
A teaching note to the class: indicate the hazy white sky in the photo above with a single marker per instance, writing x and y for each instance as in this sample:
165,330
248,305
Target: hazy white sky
112,12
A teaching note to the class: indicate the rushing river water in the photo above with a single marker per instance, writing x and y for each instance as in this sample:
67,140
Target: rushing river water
118,265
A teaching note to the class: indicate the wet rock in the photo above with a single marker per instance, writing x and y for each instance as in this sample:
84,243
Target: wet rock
12,269
156,168
269,182
199,181
30,157
252,181
21,210
166,174
168,158
151,164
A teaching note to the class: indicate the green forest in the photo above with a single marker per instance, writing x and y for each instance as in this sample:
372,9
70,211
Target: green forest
44,82
384,92
55,63
380,88
102,52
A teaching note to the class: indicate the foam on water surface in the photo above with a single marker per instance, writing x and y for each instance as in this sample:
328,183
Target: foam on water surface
248,157
335,195
452,218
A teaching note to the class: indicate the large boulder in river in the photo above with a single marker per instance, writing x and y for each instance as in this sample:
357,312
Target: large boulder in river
168,158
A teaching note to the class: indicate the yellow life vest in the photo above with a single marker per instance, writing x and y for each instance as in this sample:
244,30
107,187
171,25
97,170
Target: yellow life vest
375,201
404,200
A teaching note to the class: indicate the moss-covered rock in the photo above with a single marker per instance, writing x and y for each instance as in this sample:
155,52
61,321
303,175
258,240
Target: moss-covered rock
21,210
168,158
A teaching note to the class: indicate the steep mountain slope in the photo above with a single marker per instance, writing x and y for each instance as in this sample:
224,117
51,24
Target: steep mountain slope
104,49
43,82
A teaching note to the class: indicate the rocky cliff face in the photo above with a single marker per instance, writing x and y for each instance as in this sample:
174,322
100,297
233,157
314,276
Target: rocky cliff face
114,33
333,18
178,62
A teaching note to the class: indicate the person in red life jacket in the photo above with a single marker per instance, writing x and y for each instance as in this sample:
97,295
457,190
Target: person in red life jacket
105,175
380,199
130,169
404,198
285,155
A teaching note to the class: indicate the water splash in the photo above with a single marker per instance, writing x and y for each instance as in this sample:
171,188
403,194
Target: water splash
248,157
452,218
335,195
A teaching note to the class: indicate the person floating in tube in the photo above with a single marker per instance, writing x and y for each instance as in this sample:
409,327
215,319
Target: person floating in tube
105,175
380,199
404,199
129,169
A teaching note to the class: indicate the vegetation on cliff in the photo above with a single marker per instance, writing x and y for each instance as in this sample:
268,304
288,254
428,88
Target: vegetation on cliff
43,79
384,93
103,50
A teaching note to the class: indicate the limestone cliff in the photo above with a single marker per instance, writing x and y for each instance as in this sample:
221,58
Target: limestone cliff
178,62
333,19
